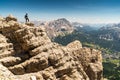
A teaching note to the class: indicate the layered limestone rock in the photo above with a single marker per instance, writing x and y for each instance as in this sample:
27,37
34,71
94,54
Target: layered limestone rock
32,55
6,48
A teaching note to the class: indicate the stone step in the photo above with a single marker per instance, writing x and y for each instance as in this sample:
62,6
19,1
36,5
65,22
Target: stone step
43,48
3,39
5,74
10,61
6,46
34,64
6,54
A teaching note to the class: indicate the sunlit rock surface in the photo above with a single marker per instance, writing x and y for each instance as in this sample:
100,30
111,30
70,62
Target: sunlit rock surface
26,53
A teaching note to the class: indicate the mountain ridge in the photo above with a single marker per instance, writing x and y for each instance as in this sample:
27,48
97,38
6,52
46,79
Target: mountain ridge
27,52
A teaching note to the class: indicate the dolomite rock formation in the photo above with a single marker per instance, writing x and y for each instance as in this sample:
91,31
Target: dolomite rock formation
58,27
26,53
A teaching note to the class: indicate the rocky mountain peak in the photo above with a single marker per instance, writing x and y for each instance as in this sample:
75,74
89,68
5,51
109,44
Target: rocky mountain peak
64,20
27,53
58,27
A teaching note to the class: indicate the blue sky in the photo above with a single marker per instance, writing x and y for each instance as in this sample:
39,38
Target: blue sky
85,11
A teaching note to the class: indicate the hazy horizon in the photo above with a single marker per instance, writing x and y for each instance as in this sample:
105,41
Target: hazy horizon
84,11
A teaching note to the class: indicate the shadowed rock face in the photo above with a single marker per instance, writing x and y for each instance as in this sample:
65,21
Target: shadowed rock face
26,53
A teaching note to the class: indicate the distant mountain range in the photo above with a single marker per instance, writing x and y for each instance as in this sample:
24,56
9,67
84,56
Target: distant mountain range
86,27
57,27
106,36
62,27
110,32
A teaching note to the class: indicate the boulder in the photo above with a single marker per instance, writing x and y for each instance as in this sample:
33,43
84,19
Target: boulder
29,24
10,18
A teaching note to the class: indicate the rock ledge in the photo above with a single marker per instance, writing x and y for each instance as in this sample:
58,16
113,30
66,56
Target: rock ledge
27,53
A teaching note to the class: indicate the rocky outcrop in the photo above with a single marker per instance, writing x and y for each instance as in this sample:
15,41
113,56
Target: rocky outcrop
29,24
6,48
10,18
32,56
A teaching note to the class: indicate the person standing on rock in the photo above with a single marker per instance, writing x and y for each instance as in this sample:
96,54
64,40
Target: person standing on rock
26,18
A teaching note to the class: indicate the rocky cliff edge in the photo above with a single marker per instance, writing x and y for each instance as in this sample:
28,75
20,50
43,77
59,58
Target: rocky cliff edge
26,53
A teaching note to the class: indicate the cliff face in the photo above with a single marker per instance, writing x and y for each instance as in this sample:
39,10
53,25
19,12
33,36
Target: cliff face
26,53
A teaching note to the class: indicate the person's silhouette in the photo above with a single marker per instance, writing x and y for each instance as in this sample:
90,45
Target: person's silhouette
26,18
